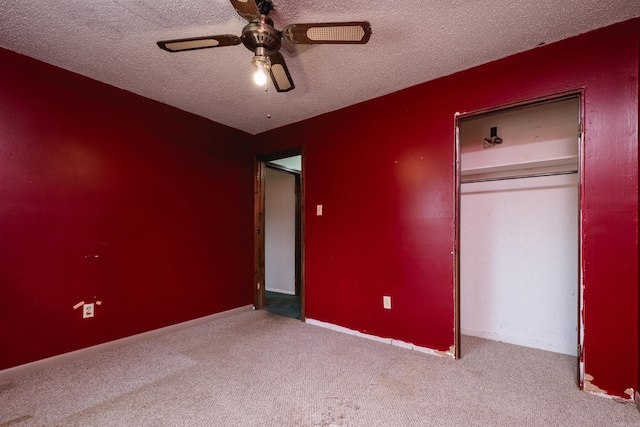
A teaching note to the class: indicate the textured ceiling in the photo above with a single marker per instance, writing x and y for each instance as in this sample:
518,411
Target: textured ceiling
413,41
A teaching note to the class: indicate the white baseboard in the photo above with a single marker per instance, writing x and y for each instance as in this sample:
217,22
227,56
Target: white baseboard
525,342
15,371
391,341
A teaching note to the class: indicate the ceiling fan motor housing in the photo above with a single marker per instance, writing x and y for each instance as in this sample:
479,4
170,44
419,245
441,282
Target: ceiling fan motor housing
260,34
261,38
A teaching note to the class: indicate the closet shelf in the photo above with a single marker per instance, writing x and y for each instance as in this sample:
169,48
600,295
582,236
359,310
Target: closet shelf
558,163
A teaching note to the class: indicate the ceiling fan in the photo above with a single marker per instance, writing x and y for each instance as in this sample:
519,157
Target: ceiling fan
261,37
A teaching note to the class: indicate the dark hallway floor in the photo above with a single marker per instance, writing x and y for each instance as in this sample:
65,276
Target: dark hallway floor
283,304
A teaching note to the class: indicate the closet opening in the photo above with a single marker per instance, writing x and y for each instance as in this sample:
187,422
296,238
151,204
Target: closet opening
518,268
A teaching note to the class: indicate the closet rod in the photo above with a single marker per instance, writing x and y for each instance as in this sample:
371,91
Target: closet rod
532,175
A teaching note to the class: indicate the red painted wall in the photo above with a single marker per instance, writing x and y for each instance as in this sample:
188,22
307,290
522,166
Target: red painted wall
164,198
106,195
384,172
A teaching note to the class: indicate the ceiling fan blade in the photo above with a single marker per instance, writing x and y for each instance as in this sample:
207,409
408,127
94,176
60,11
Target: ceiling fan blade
193,43
246,8
280,73
328,33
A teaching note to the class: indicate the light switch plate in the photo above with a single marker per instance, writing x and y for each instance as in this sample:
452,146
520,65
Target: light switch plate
319,210
386,302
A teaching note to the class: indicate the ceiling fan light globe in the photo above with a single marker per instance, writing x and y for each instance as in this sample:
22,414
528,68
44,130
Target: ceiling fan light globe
260,77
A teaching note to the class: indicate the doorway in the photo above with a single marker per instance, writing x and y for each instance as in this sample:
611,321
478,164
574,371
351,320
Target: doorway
278,255
518,225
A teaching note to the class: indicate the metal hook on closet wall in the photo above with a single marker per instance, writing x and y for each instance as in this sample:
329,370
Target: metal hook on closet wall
493,139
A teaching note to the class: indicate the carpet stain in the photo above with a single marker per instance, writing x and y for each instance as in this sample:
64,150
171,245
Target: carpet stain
336,413
16,420
7,386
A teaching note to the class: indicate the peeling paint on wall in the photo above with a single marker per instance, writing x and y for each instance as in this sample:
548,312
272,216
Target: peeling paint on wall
592,388
450,354
589,387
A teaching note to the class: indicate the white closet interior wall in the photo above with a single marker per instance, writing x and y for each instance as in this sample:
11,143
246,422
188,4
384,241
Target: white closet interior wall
519,242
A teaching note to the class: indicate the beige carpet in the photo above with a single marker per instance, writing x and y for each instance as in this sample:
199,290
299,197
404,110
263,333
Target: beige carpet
260,369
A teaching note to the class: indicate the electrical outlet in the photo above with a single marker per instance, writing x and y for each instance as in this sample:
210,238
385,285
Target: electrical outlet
87,310
386,302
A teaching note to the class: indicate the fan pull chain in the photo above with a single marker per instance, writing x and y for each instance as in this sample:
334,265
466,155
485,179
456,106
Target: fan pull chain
266,89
